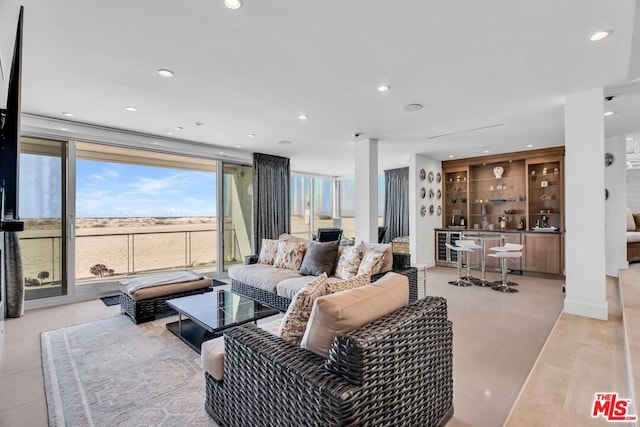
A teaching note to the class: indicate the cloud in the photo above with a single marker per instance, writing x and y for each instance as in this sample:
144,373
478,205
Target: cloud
105,175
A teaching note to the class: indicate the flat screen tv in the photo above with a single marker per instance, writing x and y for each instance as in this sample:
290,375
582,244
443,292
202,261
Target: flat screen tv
10,140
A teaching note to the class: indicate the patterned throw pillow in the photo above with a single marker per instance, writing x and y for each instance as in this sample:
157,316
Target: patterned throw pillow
370,262
349,262
295,319
289,256
268,251
354,282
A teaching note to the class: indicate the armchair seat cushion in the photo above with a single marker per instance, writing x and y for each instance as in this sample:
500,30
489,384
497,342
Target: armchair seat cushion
290,287
262,276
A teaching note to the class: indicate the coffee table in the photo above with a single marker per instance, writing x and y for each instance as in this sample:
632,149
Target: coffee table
207,315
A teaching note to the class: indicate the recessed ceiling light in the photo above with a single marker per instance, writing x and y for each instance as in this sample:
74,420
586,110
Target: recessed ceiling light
251,135
199,124
64,129
609,113
221,153
179,128
451,156
486,151
599,35
284,142
155,143
529,145
412,107
169,133
165,73
131,108
237,145
64,113
232,4
629,138
303,117
383,88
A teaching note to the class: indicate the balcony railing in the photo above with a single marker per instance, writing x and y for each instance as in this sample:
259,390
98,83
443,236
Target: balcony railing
125,253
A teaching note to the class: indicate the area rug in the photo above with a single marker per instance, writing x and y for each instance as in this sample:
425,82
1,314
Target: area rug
114,373
109,301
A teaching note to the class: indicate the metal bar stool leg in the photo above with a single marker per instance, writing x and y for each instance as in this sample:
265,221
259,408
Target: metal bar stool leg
504,285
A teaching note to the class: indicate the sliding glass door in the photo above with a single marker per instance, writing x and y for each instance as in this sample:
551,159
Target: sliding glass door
43,207
237,211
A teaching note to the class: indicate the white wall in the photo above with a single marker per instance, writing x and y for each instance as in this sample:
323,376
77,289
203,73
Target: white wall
615,208
633,189
585,257
366,183
421,228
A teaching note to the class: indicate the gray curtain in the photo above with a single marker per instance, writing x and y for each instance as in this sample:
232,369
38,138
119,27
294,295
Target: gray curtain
396,203
13,275
271,197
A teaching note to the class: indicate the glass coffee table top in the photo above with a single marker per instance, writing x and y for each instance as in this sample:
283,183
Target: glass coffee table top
208,314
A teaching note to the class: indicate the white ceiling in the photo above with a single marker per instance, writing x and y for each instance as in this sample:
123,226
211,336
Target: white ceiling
471,64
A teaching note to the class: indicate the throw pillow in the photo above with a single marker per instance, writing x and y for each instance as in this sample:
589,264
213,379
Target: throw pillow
289,255
371,262
387,259
354,282
268,251
337,314
319,258
636,219
631,224
349,262
295,319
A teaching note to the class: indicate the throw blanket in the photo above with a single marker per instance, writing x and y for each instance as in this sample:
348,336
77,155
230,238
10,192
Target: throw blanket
137,283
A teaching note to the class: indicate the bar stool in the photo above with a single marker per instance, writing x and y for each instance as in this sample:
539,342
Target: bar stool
508,247
471,245
459,250
504,256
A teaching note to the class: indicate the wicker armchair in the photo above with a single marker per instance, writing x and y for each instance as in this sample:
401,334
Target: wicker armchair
396,370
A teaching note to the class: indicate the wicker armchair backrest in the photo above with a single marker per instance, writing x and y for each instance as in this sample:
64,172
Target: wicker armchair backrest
406,339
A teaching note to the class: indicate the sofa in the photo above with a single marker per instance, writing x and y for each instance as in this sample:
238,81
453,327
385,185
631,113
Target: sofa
274,286
393,370
633,236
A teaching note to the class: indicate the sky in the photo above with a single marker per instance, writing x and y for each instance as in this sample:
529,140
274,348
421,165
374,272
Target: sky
105,189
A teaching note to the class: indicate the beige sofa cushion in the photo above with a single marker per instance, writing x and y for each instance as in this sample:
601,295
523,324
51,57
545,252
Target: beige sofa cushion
371,262
268,251
261,276
336,314
290,287
295,319
285,237
334,286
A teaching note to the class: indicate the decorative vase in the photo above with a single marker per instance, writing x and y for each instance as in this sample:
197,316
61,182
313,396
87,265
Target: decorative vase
498,171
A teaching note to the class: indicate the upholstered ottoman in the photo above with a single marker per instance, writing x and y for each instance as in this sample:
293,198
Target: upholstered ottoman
143,303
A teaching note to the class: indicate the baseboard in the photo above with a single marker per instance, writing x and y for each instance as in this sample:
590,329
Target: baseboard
600,312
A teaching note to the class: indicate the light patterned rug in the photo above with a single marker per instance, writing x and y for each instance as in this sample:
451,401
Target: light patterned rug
114,373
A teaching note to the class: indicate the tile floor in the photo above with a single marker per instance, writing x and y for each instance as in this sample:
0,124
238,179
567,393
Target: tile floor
497,338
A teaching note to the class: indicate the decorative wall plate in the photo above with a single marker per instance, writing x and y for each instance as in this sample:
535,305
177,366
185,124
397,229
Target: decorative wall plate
430,176
423,174
439,210
423,193
438,177
608,159
431,194
423,210
438,194
431,209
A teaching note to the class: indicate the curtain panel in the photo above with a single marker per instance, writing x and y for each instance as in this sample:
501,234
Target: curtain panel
271,197
14,276
396,203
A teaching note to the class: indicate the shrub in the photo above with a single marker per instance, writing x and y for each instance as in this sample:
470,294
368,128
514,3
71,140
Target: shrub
101,270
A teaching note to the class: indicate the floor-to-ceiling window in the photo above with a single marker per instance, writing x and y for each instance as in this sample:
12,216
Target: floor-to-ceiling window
237,205
347,200
141,211
42,191
301,206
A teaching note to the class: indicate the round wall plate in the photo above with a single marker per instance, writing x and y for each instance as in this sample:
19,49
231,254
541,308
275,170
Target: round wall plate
423,174
438,194
423,210
439,210
431,194
423,193
608,159
432,209
430,176
438,177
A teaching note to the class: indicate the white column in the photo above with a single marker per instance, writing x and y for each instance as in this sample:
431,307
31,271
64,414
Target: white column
615,178
585,257
366,183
